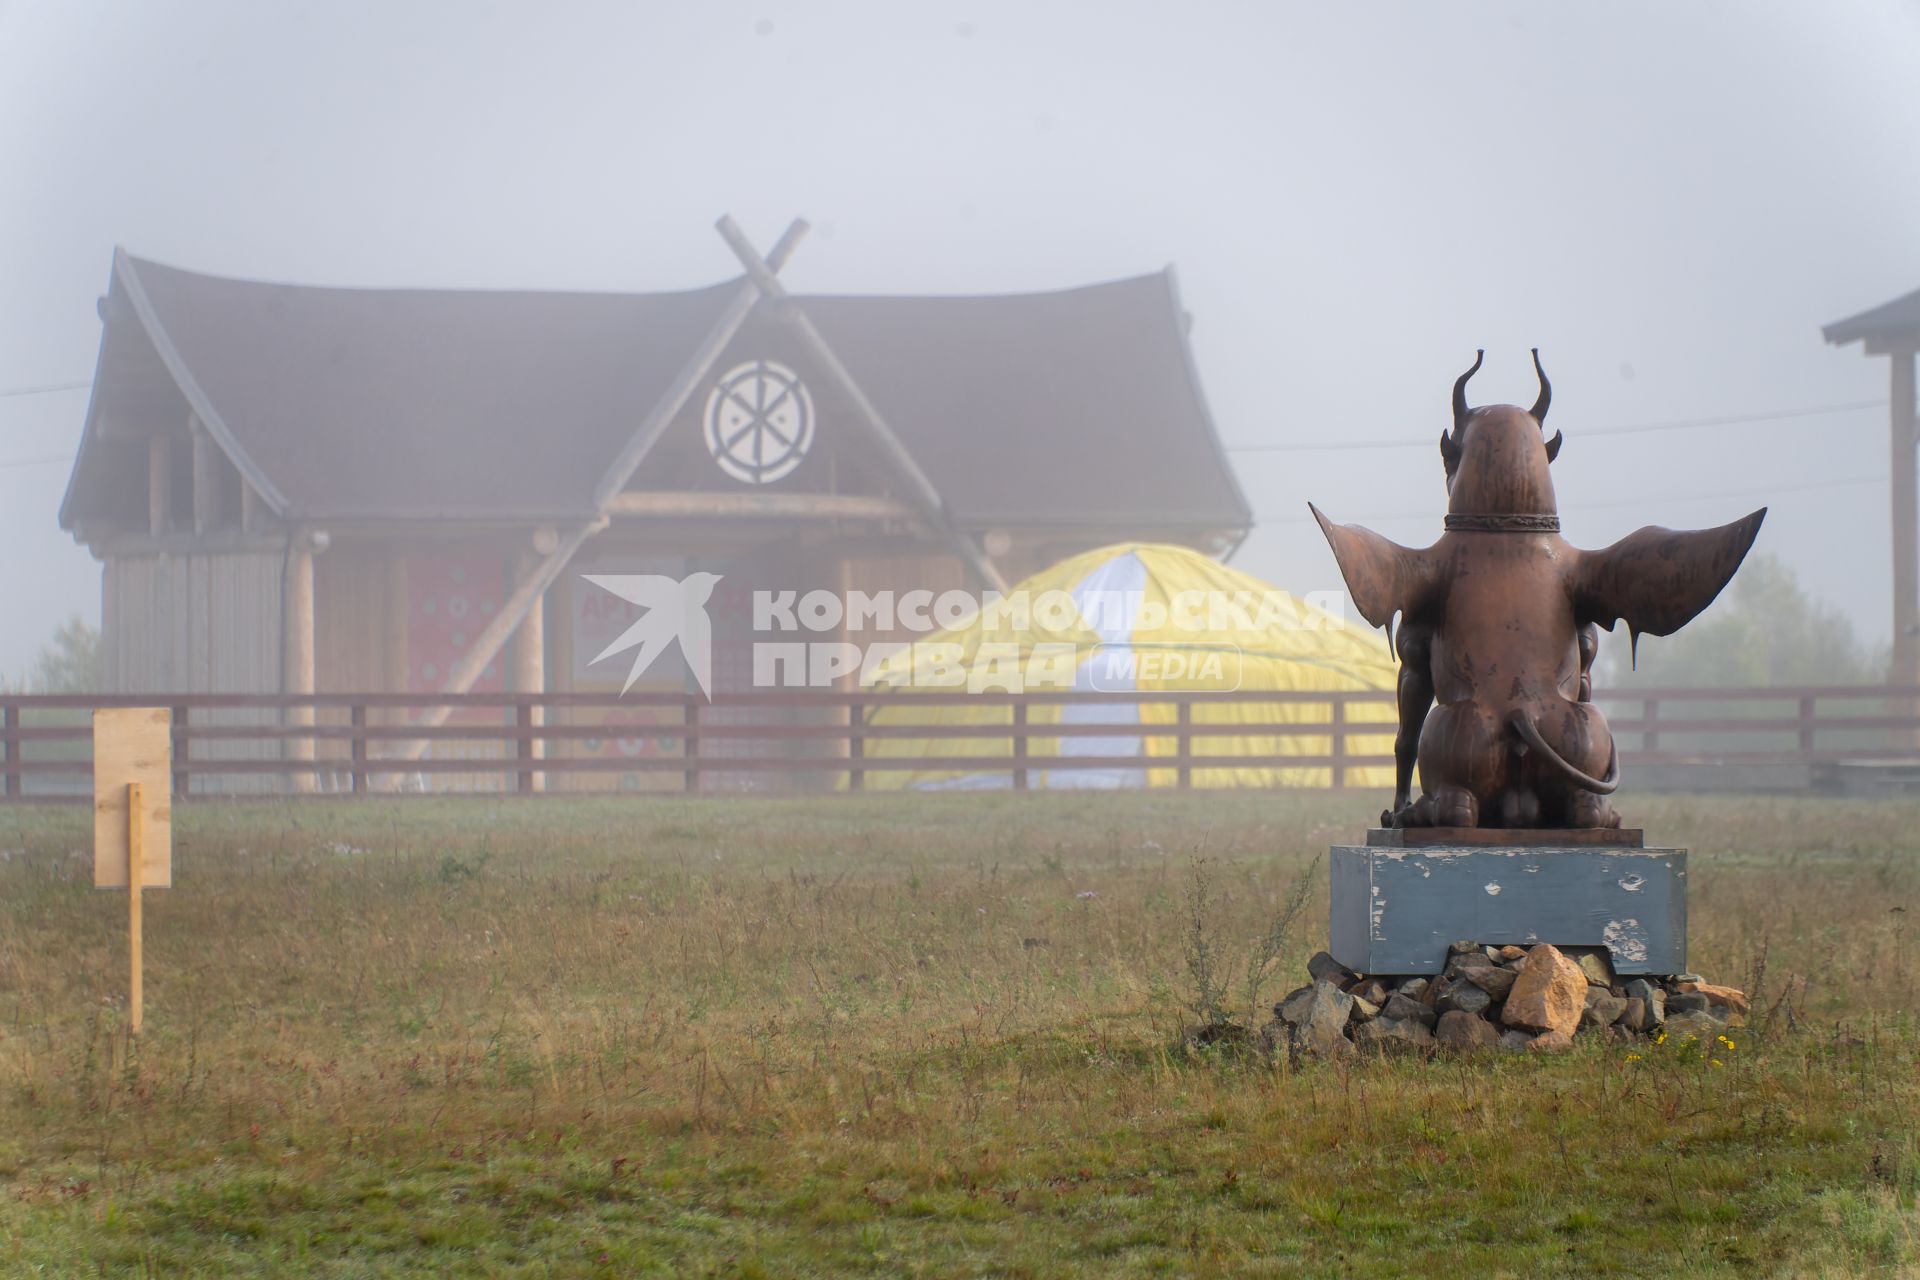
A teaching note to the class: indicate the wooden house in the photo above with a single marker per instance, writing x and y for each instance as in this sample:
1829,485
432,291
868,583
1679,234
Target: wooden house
297,489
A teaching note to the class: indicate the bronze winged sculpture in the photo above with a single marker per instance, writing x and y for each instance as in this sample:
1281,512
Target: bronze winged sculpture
1496,636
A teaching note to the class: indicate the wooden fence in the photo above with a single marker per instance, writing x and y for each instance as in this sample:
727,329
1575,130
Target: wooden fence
359,743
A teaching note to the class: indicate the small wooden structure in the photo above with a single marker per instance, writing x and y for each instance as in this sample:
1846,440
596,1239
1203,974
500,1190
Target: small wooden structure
133,821
301,490
1893,330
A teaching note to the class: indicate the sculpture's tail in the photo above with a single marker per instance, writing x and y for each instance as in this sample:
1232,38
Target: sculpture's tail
1522,725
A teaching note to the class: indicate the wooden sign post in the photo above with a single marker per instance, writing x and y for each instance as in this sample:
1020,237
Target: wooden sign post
133,818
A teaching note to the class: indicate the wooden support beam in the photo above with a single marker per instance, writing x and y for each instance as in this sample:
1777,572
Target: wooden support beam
208,469
527,673
750,506
1906,529
297,653
493,637
159,484
252,513
136,876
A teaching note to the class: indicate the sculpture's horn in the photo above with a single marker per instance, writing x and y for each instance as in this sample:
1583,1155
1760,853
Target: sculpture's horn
1460,390
1546,391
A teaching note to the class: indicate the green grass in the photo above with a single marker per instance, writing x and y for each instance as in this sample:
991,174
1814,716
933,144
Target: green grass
898,1035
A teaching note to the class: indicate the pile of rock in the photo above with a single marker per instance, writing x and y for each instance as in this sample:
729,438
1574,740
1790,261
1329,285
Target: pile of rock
1537,998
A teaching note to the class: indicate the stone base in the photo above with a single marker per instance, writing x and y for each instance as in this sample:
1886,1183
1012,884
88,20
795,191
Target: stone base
1396,909
1538,999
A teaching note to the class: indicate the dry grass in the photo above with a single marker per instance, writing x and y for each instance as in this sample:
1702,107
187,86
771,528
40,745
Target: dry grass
896,1035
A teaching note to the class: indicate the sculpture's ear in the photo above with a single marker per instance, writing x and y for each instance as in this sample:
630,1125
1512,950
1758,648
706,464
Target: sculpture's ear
1449,453
1383,577
1657,579
1553,445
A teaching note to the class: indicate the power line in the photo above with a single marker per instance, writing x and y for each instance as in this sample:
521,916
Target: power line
8,393
1583,433
8,464
1687,424
1807,487
1771,491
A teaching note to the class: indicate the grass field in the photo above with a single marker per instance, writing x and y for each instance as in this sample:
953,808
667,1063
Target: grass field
901,1036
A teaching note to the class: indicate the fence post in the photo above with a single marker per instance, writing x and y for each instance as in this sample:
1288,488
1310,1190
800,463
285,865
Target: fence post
1020,746
1806,724
1904,735
1183,742
10,752
180,756
690,744
1337,722
523,746
357,748
856,747
1649,736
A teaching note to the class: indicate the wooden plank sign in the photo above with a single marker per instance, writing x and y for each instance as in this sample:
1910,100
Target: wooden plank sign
132,745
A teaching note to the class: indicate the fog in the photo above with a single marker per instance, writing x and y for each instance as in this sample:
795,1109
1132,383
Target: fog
1668,200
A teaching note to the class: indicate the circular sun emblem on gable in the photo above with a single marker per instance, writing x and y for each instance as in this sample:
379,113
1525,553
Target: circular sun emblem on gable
759,421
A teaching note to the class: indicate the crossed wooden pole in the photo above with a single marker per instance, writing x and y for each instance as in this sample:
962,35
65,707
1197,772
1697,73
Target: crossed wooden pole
932,507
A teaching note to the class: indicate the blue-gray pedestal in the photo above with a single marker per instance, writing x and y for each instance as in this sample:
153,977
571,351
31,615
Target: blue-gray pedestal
1395,910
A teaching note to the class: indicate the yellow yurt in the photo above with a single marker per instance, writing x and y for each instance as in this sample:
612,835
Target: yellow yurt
1135,617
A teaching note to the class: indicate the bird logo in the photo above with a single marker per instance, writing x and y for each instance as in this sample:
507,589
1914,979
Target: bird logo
672,609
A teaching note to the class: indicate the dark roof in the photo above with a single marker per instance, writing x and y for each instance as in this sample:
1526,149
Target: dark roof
1074,406
1077,405
1901,316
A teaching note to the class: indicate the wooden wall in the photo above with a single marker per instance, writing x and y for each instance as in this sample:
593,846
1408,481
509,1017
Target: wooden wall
200,623
197,623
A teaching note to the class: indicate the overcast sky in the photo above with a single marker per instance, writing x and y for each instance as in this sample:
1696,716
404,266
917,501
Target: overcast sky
1668,199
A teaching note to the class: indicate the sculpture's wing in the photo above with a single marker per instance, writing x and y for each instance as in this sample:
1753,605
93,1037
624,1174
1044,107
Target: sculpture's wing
1383,577
1659,579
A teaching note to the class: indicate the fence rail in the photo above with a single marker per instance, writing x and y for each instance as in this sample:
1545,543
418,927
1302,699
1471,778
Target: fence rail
368,742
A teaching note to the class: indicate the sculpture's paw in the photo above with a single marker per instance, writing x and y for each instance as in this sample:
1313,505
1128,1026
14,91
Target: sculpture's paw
1417,814
1454,807
1589,810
